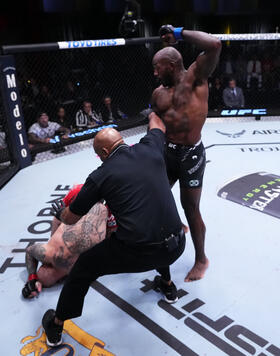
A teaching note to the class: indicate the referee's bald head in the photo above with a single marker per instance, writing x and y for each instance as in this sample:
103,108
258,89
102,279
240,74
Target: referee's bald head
106,141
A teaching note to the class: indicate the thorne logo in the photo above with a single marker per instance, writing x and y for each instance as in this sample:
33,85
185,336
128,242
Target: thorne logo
234,135
243,112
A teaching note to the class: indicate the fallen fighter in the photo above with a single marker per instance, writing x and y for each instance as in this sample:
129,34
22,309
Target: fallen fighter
67,242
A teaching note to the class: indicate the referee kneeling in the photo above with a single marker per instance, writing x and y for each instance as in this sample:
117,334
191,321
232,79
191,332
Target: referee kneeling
134,183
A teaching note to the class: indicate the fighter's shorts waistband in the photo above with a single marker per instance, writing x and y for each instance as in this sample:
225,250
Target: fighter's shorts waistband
179,146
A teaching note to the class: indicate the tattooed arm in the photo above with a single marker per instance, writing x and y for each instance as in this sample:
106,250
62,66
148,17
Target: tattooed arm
90,230
34,254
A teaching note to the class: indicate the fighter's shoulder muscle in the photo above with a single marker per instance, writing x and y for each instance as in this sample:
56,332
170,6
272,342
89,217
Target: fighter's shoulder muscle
157,91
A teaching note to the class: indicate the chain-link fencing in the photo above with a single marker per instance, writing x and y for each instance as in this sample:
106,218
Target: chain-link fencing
255,66
84,89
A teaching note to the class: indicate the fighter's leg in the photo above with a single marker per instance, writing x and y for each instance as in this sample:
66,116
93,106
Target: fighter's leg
55,225
172,169
49,275
190,199
193,162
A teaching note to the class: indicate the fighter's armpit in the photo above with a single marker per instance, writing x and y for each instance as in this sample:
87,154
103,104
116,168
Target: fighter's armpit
60,260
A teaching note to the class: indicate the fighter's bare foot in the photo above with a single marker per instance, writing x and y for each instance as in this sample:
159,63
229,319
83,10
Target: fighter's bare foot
197,272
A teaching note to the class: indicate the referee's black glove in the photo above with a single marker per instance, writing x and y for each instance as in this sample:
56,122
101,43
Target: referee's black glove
58,206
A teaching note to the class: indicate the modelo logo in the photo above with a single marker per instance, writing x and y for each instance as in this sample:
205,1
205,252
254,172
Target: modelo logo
13,97
243,112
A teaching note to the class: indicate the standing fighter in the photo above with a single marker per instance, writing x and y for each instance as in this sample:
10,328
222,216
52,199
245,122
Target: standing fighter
182,103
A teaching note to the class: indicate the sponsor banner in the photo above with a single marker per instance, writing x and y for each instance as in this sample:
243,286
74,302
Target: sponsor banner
13,110
56,139
258,148
91,43
259,191
254,112
229,133
244,112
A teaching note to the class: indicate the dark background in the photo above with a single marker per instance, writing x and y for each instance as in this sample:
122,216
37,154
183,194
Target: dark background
125,72
35,21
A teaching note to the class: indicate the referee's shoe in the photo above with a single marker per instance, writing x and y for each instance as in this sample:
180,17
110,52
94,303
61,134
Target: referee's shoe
52,330
168,290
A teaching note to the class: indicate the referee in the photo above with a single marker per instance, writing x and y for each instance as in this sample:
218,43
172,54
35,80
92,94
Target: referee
134,183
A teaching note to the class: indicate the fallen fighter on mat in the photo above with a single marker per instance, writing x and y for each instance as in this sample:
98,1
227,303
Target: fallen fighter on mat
67,242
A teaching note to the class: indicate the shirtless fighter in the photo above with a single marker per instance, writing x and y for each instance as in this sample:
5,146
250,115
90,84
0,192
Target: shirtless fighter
67,242
181,101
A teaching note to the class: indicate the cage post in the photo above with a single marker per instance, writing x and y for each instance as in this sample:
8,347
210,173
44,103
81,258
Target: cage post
13,112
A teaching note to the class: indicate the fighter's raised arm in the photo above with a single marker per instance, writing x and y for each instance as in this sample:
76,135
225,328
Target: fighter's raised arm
211,46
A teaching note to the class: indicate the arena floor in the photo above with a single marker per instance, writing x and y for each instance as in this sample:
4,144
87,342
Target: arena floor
234,310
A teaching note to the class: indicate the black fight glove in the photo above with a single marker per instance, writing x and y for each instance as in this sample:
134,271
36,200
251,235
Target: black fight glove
58,207
165,29
29,287
170,34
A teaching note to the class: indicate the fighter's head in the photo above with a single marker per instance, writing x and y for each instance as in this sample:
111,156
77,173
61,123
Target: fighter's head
167,62
106,141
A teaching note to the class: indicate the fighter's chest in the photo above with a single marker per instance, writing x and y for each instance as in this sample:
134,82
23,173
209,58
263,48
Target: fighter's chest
171,98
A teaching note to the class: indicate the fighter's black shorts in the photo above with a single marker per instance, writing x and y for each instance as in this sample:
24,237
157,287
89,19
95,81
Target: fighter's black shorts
186,163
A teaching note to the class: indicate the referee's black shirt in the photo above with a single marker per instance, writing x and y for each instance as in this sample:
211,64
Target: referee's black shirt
134,183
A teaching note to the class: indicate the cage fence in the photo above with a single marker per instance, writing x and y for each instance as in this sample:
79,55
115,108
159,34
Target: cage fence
75,78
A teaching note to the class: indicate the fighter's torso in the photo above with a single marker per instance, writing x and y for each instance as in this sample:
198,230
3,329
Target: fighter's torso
60,255
183,108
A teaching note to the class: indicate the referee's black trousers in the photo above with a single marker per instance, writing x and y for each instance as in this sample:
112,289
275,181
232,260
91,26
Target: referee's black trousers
111,256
